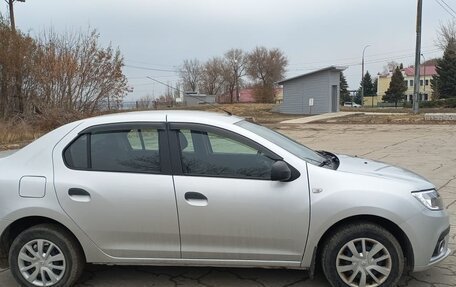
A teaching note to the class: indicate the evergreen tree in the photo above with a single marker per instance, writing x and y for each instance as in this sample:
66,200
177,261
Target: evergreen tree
344,93
397,88
369,89
444,82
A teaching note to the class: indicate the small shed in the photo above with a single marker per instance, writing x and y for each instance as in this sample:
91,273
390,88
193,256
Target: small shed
317,92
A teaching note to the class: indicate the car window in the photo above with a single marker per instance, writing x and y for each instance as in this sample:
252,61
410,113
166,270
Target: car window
131,150
76,154
221,144
217,154
189,141
143,139
283,141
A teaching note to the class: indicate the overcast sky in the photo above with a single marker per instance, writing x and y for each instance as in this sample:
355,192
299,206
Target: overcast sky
160,34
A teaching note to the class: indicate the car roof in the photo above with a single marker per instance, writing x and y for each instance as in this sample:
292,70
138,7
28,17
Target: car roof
165,115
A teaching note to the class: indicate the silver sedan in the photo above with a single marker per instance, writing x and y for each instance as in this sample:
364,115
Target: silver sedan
205,189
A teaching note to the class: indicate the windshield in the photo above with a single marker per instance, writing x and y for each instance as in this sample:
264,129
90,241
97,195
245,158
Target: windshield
285,142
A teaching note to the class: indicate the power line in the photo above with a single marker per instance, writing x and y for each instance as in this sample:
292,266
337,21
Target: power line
373,61
449,7
355,58
160,82
150,69
445,8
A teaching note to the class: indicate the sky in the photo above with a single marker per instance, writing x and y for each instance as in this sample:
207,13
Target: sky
156,36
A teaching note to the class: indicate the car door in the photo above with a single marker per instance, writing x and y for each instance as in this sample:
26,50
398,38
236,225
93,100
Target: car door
228,206
114,181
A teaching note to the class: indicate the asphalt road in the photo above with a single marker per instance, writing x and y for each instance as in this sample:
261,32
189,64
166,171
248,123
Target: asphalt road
426,149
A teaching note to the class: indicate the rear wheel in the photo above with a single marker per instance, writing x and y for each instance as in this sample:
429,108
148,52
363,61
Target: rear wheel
45,255
362,255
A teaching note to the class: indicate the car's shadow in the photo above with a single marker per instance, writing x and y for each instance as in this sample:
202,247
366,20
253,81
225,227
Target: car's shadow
97,275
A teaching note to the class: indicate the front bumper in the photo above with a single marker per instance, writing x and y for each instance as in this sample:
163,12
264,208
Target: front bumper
428,233
441,251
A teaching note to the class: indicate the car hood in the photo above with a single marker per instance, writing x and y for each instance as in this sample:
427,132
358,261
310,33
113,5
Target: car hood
380,169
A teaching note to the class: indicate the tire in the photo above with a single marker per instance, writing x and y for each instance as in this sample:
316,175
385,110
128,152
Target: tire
62,258
343,268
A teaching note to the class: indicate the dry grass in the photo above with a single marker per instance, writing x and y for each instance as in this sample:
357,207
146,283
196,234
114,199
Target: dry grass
17,134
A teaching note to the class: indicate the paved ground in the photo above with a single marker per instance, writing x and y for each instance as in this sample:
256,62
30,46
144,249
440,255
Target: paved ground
428,150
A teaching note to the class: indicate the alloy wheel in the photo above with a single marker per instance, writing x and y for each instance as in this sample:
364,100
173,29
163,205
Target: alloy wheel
363,262
41,262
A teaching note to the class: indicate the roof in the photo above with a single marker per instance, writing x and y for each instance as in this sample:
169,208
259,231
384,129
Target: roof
330,68
428,70
163,115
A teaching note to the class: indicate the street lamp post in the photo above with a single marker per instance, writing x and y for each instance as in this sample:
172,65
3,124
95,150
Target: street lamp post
424,74
362,76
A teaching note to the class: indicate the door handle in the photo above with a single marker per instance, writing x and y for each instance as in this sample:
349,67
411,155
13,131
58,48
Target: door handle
195,198
79,194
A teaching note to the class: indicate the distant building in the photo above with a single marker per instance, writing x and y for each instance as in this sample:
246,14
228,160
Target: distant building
317,92
426,91
194,98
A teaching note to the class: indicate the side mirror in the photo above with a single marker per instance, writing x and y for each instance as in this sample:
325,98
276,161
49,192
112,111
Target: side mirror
280,171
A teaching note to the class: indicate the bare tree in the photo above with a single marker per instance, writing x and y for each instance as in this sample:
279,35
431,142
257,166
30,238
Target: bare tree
64,73
212,78
16,55
391,66
266,67
233,71
190,73
446,35
75,73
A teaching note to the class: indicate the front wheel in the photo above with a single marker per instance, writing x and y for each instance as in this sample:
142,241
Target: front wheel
45,255
362,254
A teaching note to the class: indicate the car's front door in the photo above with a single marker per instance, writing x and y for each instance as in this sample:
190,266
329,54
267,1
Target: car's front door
114,181
228,207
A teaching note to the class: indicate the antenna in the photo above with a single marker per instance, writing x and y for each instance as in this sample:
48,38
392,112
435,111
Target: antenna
197,97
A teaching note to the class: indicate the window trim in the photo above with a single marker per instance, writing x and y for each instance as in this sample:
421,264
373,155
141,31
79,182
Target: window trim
163,145
176,157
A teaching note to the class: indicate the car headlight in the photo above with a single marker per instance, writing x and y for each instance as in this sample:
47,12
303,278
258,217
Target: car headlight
429,198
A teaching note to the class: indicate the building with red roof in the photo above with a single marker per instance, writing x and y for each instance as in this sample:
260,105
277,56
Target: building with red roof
426,92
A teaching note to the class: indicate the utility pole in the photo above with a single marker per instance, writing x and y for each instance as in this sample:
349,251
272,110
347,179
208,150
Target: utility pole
11,11
362,76
416,86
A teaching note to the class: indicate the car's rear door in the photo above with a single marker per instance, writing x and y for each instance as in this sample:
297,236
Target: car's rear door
229,209
115,182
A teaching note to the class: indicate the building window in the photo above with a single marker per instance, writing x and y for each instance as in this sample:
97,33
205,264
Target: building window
421,82
411,83
410,98
406,83
426,82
